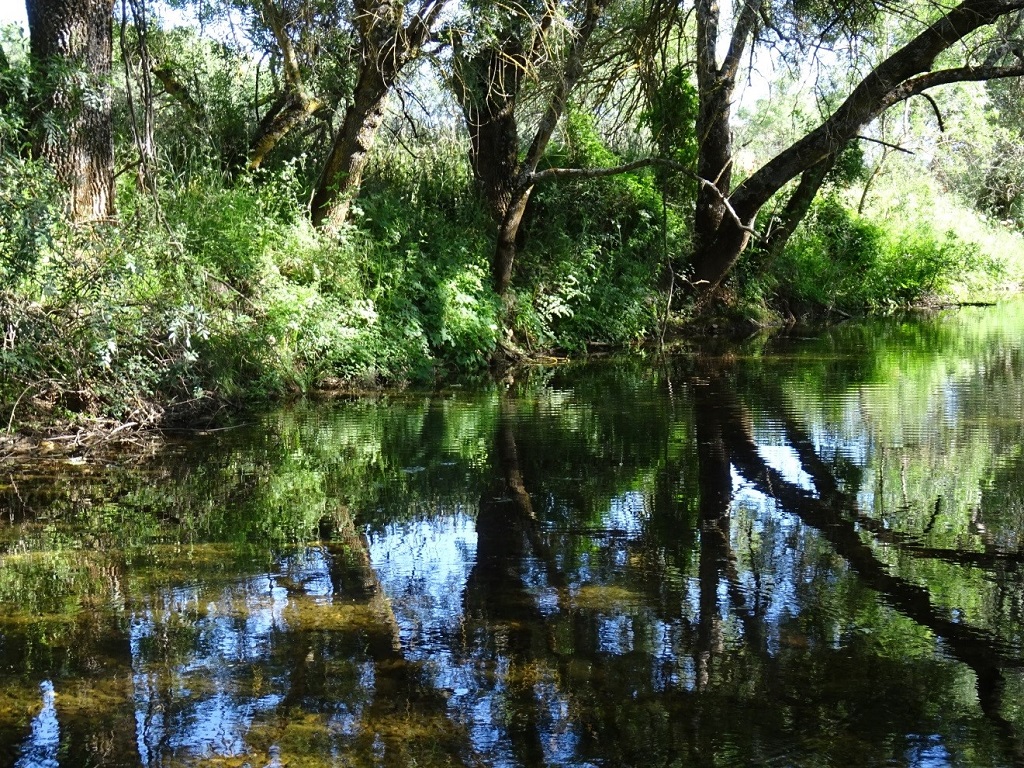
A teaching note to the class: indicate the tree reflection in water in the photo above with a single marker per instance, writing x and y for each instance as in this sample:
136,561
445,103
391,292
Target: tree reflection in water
715,562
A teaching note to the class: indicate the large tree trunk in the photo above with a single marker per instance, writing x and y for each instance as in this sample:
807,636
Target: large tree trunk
489,92
488,95
72,45
716,84
387,46
714,136
342,173
489,88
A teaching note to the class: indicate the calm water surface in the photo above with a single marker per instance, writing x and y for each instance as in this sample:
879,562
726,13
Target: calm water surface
803,552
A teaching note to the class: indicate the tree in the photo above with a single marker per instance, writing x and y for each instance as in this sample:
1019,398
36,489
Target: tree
487,80
725,215
391,35
294,103
71,43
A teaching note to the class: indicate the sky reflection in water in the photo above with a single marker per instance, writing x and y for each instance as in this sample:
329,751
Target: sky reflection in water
809,556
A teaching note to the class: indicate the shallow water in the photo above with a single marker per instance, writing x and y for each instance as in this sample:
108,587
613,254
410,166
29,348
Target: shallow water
801,552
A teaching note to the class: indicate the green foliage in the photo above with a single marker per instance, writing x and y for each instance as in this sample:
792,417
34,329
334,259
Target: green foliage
672,120
849,167
425,259
215,286
206,117
28,209
29,216
594,250
222,292
982,161
840,260
14,88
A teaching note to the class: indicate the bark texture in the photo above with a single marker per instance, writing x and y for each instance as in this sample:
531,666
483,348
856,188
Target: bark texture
488,92
342,173
388,44
71,42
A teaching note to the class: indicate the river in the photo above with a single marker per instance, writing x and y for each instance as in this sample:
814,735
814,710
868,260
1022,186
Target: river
801,551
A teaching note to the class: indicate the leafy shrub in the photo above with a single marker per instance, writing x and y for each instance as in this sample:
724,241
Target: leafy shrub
594,250
916,264
839,260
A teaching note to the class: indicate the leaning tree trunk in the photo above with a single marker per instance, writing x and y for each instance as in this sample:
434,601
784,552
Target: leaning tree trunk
796,209
905,73
342,173
387,46
72,48
294,106
508,232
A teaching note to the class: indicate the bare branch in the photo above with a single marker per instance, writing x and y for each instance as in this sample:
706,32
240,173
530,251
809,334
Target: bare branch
917,85
935,109
897,147
549,174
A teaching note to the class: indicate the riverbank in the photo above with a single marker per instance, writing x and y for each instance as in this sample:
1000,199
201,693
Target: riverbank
40,427
210,298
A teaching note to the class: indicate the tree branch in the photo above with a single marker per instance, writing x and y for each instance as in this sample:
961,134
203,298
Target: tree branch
935,109
897,147
541,32
738,42
905,73
917,85
176,89
549,174
706,42
274,18
570,76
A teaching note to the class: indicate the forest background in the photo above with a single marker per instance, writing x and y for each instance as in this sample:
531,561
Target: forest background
225,200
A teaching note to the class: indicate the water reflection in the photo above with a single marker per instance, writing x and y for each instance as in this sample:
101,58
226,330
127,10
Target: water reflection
810,555
40,749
